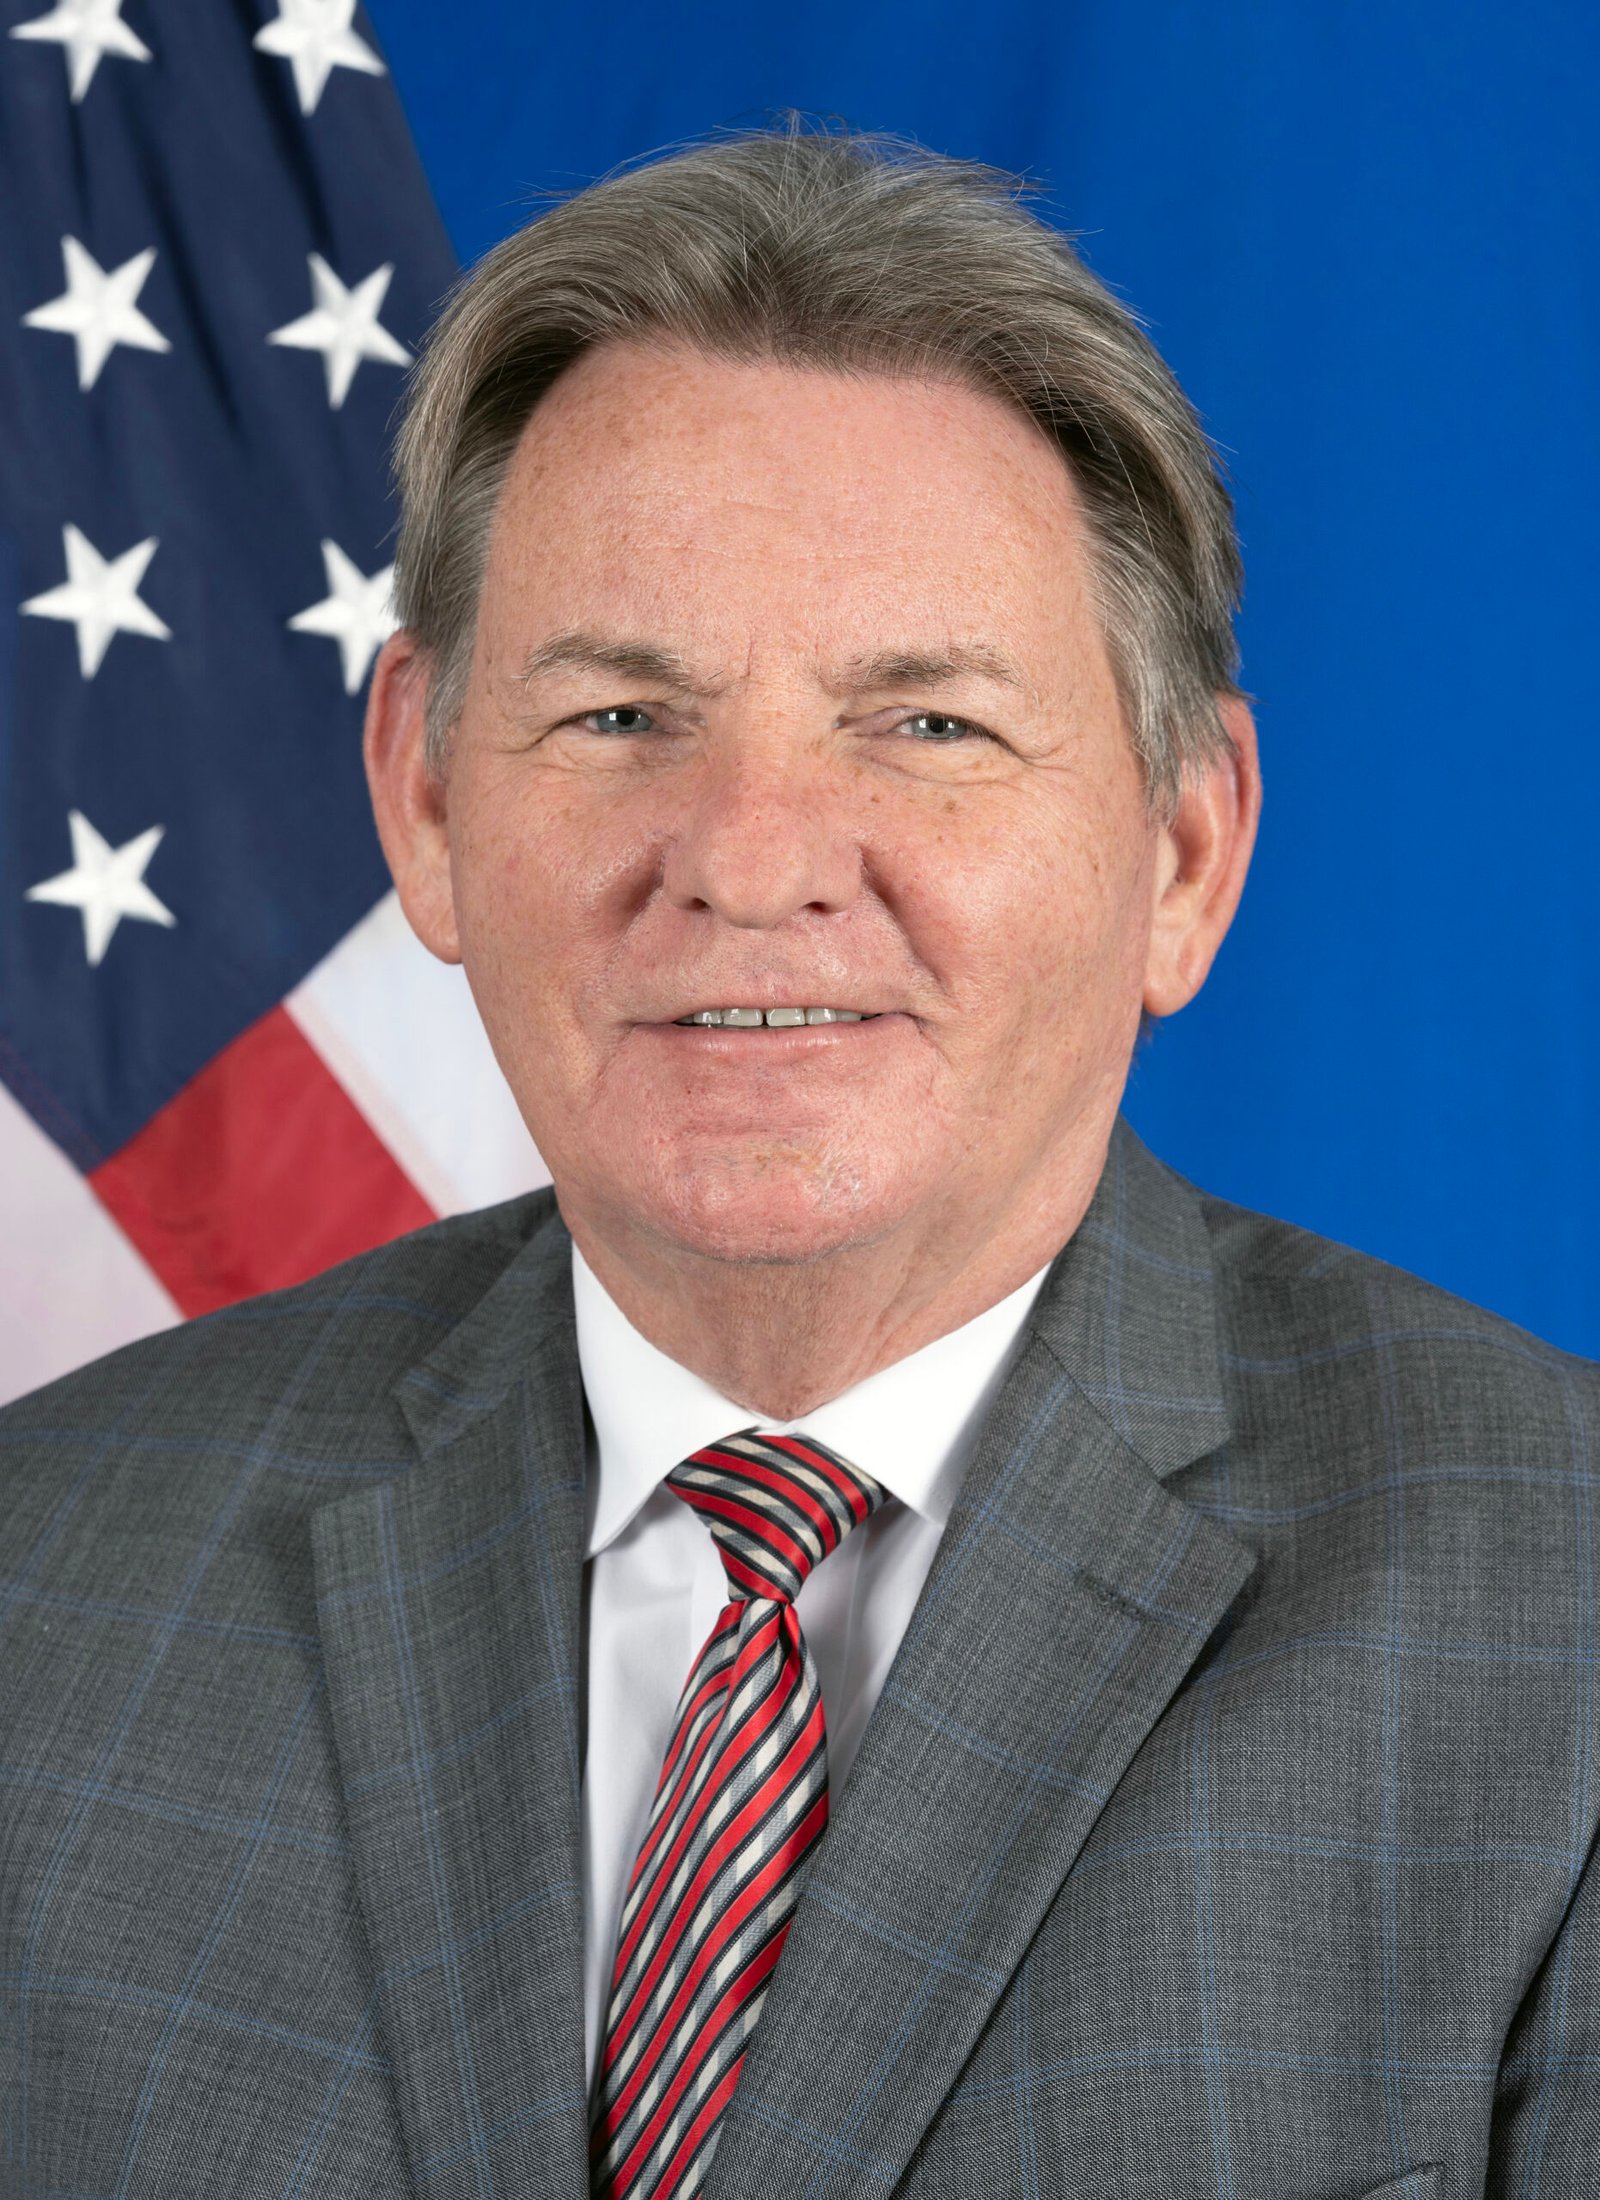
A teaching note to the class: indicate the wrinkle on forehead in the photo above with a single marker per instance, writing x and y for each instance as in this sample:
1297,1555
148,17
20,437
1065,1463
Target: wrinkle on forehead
696,529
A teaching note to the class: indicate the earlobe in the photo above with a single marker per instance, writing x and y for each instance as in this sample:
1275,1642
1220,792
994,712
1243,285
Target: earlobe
408,800
1201,863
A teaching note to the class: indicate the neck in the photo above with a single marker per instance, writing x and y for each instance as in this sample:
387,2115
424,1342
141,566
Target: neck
780,1338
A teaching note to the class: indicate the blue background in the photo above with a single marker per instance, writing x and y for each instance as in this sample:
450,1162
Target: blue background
1366,241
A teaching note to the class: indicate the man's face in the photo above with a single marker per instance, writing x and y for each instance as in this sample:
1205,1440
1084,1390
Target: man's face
789,693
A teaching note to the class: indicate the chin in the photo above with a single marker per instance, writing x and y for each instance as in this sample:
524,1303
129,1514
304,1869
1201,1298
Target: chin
779,1205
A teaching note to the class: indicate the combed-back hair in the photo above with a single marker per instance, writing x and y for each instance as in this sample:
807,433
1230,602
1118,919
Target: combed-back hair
860,254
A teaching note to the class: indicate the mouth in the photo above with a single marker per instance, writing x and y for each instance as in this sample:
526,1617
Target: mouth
772,1019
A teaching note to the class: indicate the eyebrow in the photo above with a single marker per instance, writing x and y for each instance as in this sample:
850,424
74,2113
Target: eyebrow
926,668
579,650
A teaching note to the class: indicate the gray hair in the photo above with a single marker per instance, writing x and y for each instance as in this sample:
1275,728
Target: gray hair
855,253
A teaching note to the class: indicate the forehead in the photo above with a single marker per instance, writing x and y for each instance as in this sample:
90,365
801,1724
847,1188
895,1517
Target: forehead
667,484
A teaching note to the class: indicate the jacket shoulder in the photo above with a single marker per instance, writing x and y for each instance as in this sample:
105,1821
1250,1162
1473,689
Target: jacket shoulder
320,1358
167,1494
1315,1321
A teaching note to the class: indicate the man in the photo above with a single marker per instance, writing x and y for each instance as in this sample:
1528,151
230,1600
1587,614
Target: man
875,1641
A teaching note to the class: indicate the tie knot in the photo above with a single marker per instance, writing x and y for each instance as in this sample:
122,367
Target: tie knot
777,1505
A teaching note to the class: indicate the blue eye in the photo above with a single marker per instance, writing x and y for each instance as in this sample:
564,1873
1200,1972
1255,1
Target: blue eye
624,717
941,727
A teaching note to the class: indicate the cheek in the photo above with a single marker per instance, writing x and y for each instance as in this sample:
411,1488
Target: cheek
514,905
523,849
1037,891
1044,938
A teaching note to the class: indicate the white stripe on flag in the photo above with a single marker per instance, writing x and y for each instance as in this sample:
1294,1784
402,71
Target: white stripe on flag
71,1286
400,1032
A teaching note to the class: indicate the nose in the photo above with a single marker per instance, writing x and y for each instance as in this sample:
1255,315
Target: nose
762,837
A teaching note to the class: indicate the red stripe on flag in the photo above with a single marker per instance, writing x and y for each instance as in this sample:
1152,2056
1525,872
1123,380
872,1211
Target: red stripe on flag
261,1172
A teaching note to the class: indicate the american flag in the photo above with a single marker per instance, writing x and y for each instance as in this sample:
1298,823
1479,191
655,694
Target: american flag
224,1063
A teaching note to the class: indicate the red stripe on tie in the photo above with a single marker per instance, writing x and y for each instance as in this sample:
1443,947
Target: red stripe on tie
771,1535
751,1980
716,2102
726,1928
850,1491
747,1576
761,1717
792,1491
783,1855
260,1173
723,1682
697,1694
788,1487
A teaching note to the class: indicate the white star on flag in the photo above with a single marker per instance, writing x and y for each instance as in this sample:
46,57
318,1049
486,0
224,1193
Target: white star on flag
315,38
87,29
101,598
343,326
357,612
106,884
98,309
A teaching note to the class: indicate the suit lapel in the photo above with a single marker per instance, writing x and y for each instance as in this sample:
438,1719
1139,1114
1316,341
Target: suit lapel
1071,1595
449,1607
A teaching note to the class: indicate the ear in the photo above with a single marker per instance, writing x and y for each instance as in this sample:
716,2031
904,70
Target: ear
1201,860
408,800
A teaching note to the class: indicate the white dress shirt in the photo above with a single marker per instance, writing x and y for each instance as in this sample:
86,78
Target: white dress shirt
656,1583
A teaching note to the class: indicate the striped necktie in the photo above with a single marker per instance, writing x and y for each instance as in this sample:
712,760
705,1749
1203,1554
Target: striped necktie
741,1802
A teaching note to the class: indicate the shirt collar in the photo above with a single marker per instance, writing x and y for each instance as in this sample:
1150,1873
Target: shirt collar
912,1425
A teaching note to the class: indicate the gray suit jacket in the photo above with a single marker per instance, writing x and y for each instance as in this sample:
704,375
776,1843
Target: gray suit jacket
1225,1830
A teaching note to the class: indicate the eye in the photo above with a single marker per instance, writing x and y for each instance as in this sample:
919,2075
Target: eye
618,718
940,726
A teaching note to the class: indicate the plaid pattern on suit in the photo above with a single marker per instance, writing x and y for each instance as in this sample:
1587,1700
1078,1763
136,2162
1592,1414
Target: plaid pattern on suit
1224,1831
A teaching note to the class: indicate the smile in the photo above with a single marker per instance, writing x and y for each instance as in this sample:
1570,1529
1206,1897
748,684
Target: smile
747,1019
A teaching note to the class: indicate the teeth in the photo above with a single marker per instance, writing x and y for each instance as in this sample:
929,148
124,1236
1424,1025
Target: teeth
747,1019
